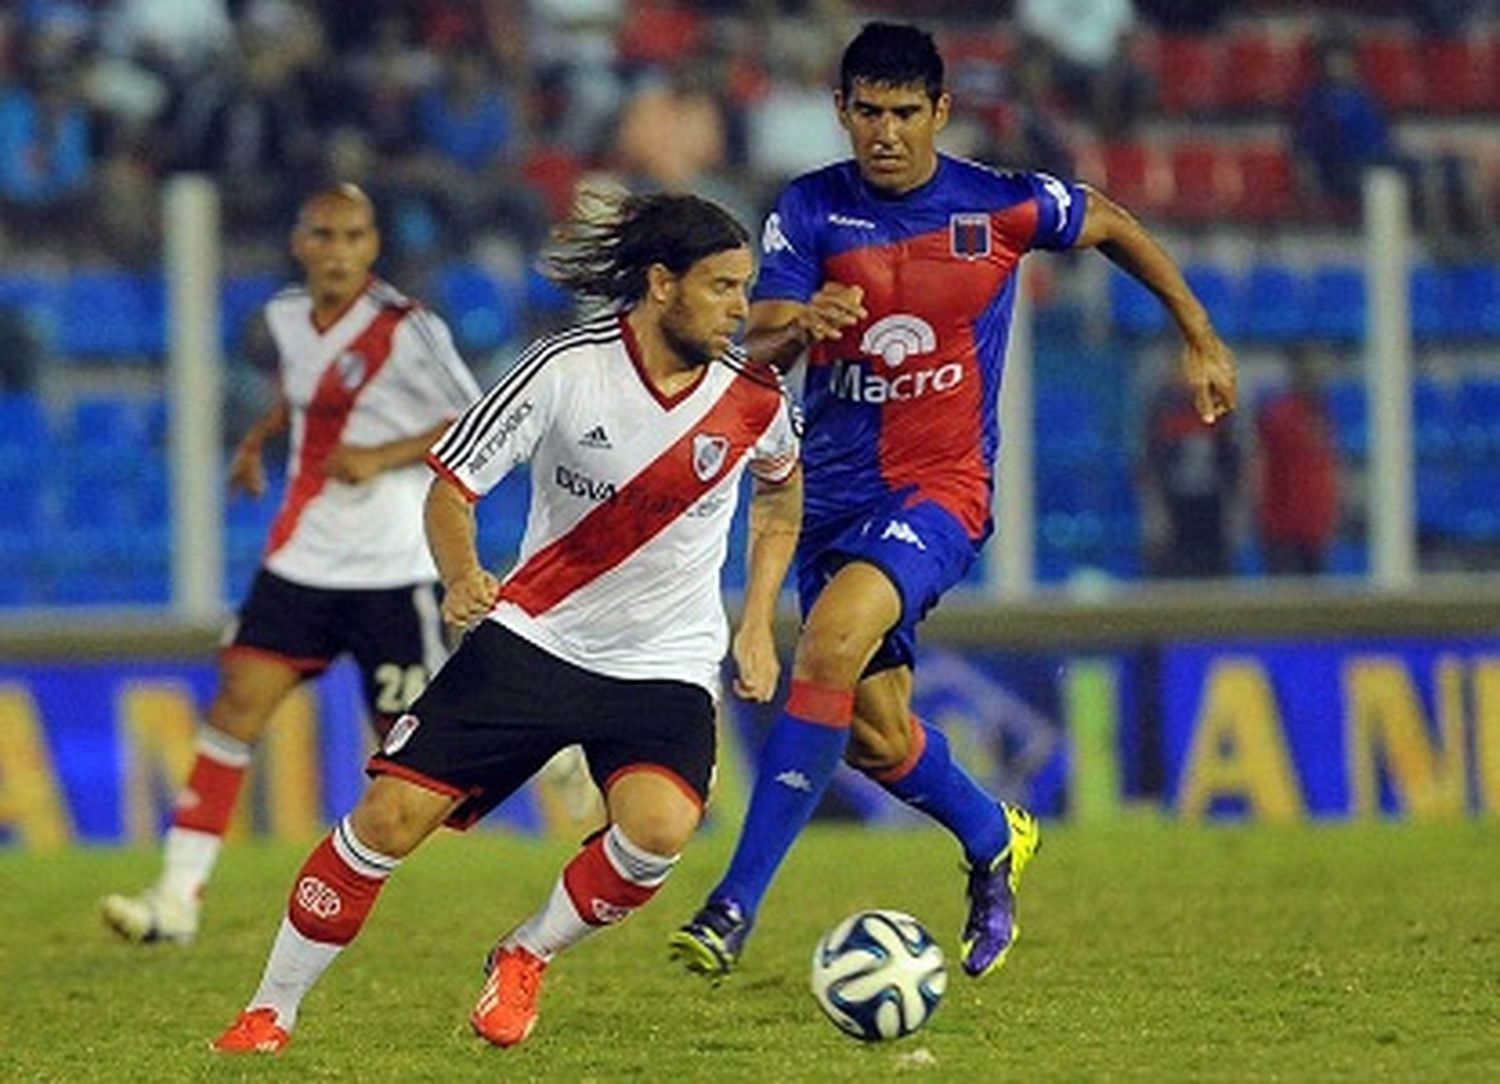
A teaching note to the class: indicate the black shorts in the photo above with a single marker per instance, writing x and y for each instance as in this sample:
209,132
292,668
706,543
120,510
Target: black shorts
394,634
501,707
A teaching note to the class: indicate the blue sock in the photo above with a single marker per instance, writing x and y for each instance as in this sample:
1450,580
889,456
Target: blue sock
793,772
946,793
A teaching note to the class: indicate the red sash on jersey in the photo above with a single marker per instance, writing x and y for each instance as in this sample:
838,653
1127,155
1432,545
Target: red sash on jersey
328,413
647,504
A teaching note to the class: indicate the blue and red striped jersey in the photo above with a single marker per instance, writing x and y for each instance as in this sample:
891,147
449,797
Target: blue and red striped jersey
907,399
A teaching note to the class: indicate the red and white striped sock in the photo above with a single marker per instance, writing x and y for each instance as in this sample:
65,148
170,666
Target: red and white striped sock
191,847
604,883
332,896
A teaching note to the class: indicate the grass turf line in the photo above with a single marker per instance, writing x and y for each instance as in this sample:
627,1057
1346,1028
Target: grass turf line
1151,952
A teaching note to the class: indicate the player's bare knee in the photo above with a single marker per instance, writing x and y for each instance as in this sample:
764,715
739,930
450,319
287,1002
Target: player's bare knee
663,832
384,822
830,656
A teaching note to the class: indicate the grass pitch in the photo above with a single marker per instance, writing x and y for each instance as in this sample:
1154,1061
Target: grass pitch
1151,952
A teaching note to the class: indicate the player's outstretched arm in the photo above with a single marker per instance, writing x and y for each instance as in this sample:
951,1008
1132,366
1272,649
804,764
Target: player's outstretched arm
468,590
1207,363
779,331
247,471
775,522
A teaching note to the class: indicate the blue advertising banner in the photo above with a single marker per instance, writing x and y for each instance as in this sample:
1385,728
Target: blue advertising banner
95,752
1279,730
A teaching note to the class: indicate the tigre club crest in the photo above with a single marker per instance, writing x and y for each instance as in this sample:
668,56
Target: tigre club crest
709,453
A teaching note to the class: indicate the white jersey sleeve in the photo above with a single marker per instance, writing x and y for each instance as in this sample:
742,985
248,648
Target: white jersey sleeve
502,428
774,456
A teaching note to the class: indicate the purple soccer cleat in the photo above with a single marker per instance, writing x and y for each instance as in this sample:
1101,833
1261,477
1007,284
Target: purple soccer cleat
991,928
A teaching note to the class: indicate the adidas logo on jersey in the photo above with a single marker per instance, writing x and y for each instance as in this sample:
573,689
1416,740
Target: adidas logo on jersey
595,438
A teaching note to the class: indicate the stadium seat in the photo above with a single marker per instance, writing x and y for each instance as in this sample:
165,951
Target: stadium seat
1205,180
1434,421
1219,294
1457,74
1268,190
1189,73
1134,310
112,315
1264,71
240,301
1476,300
1349,410
109,421
1136,175
1337,303
24,426
1273,304
1477,419
1391,66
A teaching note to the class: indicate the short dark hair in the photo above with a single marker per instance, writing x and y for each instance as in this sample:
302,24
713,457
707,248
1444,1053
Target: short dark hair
892,55
604,251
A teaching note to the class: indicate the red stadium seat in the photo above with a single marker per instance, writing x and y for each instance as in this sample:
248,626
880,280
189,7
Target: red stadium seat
1457,74
1262,71
1391,65
1189,74
1268,183
1135,175
1205,180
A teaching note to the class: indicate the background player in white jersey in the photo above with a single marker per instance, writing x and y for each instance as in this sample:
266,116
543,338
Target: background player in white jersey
368,379
609,631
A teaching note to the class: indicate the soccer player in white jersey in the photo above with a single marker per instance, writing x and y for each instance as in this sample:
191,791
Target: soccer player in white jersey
368,380
609,630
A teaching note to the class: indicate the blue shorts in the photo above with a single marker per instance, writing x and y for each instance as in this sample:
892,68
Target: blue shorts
921,548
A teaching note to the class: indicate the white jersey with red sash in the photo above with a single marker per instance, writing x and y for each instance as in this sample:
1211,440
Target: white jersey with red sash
632,494
384,370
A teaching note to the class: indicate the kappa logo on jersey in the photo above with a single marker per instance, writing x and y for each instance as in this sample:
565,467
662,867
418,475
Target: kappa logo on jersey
902,531
709,454
351,369
899,336
1064,198
315,896
772,239
399,734
969,235
595,438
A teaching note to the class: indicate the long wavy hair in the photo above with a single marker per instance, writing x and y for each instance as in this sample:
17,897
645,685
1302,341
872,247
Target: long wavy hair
603,252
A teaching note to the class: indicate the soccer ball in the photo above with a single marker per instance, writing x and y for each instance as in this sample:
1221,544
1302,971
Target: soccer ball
878,975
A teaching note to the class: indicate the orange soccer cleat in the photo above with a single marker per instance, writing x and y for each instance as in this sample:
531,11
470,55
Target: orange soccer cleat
506,1012
255,1032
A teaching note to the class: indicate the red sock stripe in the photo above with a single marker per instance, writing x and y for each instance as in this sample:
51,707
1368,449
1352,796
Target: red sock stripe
600,895
207,802
820,704
331,899
914,752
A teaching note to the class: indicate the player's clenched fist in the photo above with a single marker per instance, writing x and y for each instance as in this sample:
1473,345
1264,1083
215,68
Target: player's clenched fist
469,598
831,310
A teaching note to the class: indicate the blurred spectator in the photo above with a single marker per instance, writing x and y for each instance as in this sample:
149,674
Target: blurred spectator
1085,41
576,53
1340,128
799,99
465,118
386,77
168,35
1190,487
45,157
1028,133
1298,476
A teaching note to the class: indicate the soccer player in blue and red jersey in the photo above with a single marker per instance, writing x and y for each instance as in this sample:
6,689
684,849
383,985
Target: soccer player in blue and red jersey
893,273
